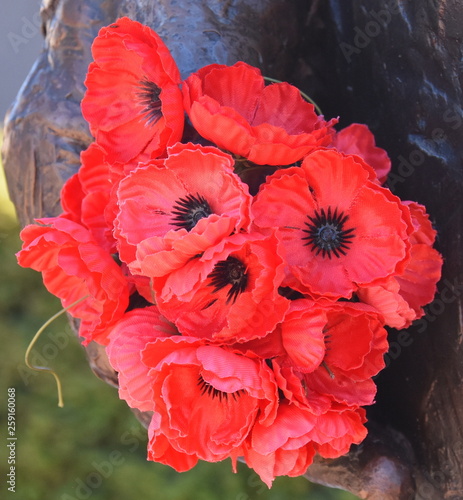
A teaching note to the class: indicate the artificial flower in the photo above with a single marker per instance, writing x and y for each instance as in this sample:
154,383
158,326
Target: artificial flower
173,209
75,267
161,450
287,445
401,298
284,447
292,388
357,139
338,429
208,398
229,293
128,338
339,229
85,196
356,343
268,125
332,348
248,326
133,102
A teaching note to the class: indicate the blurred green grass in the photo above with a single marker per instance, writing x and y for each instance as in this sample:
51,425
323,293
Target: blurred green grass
93,447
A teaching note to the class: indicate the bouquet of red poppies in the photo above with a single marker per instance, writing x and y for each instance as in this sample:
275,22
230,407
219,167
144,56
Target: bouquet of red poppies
238,257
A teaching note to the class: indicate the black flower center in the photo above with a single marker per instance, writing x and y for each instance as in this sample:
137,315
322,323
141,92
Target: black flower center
210,390
148,96
326,233
229,272
189,210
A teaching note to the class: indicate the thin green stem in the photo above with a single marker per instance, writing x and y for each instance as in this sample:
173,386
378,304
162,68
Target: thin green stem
303,94
34,341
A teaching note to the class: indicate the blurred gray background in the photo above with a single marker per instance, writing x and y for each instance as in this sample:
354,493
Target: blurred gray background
20,43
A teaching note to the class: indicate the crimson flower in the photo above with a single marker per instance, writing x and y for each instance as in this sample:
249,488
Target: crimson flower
401,298
173,209
229,293
89,198
133,102
332,348
74,266
357,139
207,397
339,229
269,125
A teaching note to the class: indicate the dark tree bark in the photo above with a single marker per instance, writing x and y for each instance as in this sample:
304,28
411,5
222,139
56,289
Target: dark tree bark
398,69
394,65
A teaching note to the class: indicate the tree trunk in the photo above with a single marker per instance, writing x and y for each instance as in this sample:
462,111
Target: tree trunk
393,65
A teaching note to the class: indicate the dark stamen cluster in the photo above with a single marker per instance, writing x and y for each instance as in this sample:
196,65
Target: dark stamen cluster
326,233
189,210
149,97
229,272
210,390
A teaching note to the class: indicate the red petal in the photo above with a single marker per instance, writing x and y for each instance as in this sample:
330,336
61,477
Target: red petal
357,139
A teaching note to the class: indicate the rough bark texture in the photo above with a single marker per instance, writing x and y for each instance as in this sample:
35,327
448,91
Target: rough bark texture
399,70
394,65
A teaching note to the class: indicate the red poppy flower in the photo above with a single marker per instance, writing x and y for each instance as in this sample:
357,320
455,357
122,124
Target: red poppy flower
128,338
229,293
355,343
302,335
208,398
161,450
133,102
293,389
357,139
283,448
401,298
388,301
338,429
339,229
176,208
90,198
74,266
85,196
286,446
273,125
